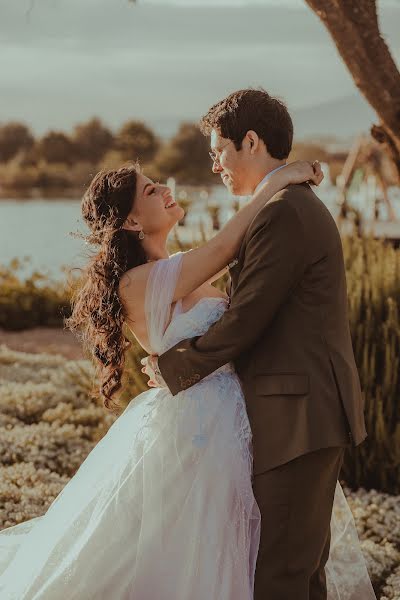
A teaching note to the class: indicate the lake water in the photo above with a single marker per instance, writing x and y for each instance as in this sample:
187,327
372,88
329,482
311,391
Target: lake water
40,228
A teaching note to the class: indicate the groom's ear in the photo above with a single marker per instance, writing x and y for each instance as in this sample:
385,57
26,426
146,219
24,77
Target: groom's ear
252,141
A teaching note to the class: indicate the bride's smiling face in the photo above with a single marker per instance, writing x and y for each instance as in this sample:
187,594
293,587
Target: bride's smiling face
154,209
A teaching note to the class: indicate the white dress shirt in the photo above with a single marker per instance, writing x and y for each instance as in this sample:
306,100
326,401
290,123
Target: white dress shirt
268,175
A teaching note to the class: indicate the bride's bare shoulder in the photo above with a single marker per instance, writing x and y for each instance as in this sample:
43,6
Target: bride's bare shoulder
134,280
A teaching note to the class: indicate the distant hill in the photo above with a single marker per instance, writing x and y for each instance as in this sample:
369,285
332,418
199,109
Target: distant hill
342,118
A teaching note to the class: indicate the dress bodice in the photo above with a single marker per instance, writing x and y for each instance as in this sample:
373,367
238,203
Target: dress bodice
164,333
193,322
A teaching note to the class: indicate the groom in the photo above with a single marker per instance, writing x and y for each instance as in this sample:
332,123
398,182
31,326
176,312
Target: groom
287,333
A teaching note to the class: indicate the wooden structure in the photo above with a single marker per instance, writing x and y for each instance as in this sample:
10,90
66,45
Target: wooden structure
366,156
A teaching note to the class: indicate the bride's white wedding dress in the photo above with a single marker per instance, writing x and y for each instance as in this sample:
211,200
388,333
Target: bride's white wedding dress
163,508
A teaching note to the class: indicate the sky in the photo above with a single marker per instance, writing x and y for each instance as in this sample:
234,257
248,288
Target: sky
164,61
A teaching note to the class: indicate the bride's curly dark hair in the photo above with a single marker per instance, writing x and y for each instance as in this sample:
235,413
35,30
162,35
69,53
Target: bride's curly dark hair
97,312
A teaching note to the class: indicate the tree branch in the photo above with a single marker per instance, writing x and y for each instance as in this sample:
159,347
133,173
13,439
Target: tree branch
353,25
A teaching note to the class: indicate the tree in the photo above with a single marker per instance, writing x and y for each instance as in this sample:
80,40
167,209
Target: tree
136,141
92,140
354,27
186,157
14,137
56,147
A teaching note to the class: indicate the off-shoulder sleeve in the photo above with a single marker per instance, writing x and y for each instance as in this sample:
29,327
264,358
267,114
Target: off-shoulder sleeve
159,295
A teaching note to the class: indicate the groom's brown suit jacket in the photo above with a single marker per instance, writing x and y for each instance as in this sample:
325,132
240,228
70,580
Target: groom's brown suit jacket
286,331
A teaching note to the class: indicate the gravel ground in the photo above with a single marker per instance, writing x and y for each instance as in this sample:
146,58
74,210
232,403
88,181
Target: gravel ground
43,339
377,515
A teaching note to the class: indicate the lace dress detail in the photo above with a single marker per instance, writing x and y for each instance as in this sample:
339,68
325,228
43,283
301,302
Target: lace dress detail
163,507
195,322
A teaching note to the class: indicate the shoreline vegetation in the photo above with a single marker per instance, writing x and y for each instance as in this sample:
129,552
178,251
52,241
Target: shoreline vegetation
61,164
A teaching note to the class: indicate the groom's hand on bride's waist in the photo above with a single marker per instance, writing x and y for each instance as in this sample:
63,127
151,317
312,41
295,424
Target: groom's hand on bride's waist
152,371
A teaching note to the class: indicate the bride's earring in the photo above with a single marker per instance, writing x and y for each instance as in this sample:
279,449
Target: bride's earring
141,234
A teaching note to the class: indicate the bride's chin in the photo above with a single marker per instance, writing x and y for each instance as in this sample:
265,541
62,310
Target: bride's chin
175,220
175,214
179,213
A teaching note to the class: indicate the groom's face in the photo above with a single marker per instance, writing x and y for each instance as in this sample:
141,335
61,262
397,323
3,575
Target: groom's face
231,164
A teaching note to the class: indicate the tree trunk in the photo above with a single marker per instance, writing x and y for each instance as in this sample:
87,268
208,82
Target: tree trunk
353,25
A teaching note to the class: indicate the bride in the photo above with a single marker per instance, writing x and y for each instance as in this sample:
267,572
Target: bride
162,508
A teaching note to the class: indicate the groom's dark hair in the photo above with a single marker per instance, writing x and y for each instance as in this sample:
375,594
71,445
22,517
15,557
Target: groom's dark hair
252,109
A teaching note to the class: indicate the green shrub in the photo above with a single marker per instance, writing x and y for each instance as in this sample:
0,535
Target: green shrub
33,301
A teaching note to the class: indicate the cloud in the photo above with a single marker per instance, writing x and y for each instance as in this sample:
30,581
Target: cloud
226,3
66,61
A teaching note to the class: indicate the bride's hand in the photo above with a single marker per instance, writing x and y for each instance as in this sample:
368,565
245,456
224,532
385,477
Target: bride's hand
300,171
152,371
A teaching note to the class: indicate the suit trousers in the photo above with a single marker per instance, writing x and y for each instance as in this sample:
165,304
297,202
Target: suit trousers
295,500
